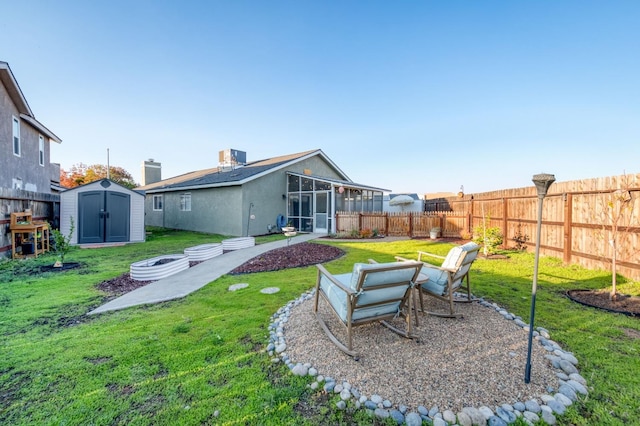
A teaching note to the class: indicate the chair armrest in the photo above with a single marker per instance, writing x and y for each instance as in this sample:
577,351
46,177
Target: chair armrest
424,253
402,259
440,268
426,264
323,271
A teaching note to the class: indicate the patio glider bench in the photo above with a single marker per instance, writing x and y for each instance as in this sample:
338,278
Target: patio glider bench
373,292
452,276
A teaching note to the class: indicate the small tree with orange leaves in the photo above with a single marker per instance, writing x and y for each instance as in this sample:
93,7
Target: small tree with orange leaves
81,174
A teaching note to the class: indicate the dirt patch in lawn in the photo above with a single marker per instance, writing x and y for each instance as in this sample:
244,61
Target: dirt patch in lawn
118,286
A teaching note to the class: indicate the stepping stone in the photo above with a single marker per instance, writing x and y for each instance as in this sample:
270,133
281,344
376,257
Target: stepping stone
270,290
235,287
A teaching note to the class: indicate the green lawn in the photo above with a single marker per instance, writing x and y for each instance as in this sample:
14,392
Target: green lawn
201,360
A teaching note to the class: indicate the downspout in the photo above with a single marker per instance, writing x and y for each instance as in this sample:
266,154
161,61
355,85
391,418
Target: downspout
332,211
249,218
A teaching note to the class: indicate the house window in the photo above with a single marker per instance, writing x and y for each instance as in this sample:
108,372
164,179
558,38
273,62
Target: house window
16,137
157,203
41,150
185,202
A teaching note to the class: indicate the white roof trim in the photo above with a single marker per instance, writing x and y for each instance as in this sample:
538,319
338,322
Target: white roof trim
15,90
193,187
347,183
41,127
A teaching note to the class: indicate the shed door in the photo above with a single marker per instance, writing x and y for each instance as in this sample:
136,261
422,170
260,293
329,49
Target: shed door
103,216
321,212
117,220
90,223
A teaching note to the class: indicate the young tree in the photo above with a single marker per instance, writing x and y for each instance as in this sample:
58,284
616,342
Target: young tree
61,241
81,174
616,212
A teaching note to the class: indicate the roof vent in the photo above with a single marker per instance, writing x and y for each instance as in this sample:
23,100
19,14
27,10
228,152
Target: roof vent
230,159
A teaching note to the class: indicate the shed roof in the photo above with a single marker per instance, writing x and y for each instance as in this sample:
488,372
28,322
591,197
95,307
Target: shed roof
104,183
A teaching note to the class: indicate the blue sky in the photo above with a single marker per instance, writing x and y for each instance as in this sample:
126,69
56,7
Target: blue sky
411,96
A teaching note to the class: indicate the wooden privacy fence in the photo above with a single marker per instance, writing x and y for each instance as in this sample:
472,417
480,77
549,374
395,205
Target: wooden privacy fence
44,207
408,224
574,228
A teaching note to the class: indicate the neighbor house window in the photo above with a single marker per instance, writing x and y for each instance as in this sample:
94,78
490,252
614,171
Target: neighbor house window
185,202
16,137
41,150
157,203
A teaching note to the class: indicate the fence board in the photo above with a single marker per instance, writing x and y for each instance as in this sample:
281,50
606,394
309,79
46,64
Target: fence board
573,214
15,200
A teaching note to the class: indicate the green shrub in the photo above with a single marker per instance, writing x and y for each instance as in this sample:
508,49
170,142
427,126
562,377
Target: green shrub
61,241
490,238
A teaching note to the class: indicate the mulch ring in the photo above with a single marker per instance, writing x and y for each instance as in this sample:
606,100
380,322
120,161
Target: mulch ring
623,304
65,267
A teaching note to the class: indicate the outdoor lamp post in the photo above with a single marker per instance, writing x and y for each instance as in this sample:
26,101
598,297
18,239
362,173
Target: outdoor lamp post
543,182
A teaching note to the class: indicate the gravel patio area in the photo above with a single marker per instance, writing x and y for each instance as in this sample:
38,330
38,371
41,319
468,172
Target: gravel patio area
478,360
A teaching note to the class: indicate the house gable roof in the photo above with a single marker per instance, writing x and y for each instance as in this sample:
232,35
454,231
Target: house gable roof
223,176
17,97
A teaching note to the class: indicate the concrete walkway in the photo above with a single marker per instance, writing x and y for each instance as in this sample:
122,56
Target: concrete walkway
194,278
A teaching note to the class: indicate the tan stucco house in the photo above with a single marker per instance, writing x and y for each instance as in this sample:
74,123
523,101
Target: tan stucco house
241,198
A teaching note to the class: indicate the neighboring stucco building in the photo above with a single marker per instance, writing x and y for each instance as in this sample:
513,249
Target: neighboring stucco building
28,180
24,142
242,198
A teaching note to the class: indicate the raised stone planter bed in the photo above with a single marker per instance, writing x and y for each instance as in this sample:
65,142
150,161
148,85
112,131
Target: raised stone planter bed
238,243
204,251
158,267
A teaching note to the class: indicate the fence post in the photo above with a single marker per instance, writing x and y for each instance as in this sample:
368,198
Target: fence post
568,209
470,224
386,223
505,214
443,221
410,225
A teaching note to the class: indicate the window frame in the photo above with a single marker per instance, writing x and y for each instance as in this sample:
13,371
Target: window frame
185,202
41,150
160,199
15,126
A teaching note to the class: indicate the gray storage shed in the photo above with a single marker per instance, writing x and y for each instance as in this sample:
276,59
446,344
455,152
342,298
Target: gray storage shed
103,212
